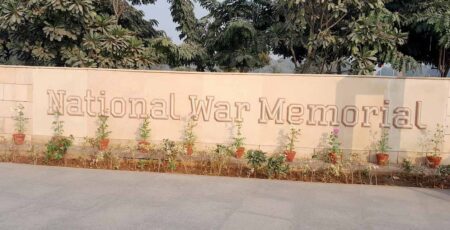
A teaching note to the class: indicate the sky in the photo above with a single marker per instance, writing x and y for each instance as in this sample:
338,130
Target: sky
161,12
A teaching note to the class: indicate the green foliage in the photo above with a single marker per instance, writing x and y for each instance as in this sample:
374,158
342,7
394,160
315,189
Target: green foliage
57,125
336,170
432,142
57,147
144,130
437,139
102,129
237,47
333,141
238,139
19,118
141,164
220,157
383,143
336,36
169,146
428,25
276,166
223,151
80,33
183,13
345,36
407,166
189,135
171,151
113,159
255,158
292,137
444,171
234,34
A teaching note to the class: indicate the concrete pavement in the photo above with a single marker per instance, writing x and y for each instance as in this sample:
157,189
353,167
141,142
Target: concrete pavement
38,197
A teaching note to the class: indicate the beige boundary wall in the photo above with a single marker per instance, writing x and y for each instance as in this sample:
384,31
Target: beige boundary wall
268,105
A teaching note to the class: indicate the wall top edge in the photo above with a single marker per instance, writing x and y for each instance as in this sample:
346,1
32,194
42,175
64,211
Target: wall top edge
222,73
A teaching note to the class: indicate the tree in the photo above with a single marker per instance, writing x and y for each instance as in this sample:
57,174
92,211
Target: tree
234,33
79,33
428,24
329,36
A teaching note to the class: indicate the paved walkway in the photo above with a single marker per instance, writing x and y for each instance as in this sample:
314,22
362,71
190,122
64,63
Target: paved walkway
37,197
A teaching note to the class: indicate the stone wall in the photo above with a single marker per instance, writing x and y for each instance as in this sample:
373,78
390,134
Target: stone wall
268,105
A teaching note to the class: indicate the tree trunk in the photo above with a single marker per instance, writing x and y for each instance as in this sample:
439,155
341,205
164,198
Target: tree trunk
294,57
443,64
306,65
309,60
339,67
447,70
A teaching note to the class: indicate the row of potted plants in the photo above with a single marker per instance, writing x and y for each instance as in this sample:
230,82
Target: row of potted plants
60,143
431,147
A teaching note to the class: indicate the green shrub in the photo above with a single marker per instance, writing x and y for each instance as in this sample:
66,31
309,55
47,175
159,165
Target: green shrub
220,157
171,150
58,145
276,166
255,158
444,170
222,151
407,166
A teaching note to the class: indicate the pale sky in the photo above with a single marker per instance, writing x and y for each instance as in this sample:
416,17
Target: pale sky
161,12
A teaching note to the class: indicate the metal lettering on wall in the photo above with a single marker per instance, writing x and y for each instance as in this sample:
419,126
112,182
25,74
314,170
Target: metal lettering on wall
277,111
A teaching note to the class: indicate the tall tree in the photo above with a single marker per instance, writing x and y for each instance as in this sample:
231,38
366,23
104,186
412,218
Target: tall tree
75,33
234,33
428,24
191,51
330,36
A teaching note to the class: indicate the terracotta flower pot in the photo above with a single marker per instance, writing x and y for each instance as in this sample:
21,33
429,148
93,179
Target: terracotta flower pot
290,155
189,150
240,152
143,146
434,161
382,159
103,144
19,138
333,157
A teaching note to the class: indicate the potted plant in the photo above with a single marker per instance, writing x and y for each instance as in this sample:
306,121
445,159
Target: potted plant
238,141
334,146
290,147
58,144
21,121
434,160
103,133
382,147
189,136
144,134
